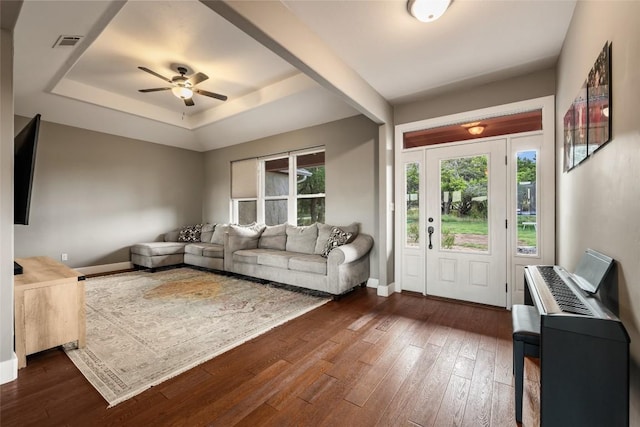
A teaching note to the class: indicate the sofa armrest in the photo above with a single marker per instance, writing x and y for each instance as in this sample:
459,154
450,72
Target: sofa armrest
234,243
348,265
351,251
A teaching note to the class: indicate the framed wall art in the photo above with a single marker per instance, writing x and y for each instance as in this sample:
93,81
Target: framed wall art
587,122
581,126
568,138
599,101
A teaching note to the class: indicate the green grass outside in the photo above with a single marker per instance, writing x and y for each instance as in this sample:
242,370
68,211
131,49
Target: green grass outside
526,237
465,225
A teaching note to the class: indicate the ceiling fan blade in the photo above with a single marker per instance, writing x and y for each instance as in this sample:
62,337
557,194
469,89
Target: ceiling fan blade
197,78
157,89
211,94
188,102
155,74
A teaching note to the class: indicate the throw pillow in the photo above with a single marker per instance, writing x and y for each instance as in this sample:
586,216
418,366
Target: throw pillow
336,238
324,230
301,239
190,233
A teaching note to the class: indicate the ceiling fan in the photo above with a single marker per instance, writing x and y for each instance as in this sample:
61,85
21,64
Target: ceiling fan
183,87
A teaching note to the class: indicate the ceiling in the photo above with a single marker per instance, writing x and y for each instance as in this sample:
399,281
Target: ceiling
94,85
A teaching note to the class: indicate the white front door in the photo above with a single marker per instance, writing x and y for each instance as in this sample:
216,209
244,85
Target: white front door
466,212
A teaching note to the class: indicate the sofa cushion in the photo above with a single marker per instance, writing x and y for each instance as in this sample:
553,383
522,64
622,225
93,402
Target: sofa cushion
274,237
200,249
218,233
190,233
301,239
247,256
324,230
242,237
207,232
336,238
308,264
213,251
158,248
193,248
278,259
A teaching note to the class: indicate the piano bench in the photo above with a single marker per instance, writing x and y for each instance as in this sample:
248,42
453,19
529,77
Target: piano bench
526,342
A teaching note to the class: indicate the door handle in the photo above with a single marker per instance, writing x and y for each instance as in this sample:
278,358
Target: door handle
430,231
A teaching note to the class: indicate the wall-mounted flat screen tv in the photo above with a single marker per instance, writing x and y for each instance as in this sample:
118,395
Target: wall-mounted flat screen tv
25,144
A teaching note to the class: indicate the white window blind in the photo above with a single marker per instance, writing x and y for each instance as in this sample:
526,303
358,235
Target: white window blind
244,179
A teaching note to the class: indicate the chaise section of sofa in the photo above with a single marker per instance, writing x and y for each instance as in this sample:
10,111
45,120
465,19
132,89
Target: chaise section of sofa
157,254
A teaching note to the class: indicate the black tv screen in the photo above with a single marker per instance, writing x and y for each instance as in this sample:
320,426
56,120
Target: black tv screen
25,144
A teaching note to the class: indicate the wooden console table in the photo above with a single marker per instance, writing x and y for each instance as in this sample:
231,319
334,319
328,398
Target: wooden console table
49,307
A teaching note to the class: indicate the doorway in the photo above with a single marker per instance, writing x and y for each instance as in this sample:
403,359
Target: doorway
471,214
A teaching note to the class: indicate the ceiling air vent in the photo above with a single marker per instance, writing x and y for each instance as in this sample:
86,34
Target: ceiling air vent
67,41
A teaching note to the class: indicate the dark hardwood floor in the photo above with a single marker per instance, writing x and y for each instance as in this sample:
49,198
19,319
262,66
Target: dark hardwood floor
361,361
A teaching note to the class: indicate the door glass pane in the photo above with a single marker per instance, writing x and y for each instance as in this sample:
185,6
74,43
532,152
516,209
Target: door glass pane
412,182
247,212
465,206
526,173
275,211
310,210
276,182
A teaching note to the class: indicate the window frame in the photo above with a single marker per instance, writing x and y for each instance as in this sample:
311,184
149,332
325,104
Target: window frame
291,198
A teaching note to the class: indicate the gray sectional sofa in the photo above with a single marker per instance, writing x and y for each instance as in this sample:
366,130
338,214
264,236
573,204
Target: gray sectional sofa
201,247
320,257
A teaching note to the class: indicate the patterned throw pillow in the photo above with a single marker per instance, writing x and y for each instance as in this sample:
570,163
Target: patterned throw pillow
190,233
336,238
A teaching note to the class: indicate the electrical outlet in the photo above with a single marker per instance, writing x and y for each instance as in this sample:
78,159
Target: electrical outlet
64,257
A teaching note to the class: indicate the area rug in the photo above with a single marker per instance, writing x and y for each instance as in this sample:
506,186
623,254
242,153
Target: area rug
144,328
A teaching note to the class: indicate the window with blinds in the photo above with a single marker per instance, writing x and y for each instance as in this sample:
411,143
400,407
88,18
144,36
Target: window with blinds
287,187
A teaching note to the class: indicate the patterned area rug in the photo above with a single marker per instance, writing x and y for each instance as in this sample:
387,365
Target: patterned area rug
144,328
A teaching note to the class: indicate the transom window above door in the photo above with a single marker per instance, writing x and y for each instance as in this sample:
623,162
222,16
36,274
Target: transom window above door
481,128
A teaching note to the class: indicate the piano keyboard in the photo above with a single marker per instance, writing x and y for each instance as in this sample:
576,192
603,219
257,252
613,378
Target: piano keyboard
564,296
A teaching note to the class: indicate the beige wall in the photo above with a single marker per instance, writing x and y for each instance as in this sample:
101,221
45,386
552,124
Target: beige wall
350,164
598,203
96,194
6,206
528,86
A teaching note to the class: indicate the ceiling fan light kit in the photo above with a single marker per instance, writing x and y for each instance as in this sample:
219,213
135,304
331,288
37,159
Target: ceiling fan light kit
182,92
183,87
428,10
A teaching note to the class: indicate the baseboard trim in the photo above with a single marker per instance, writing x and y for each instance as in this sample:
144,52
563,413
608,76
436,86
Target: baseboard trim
9,369
104,268
372,283
386,290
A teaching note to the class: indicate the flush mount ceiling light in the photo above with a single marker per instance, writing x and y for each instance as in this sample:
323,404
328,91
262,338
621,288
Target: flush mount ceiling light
474,128
427,10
